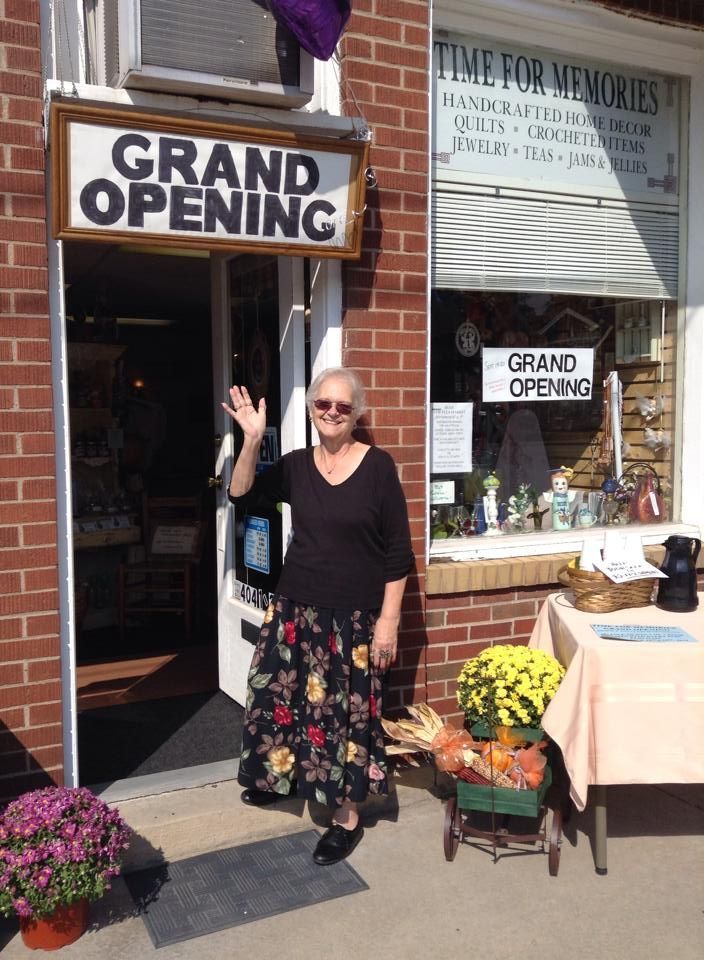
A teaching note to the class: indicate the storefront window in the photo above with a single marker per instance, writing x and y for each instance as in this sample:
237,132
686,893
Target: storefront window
518,391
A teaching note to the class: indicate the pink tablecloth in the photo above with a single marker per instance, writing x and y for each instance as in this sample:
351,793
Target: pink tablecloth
625,712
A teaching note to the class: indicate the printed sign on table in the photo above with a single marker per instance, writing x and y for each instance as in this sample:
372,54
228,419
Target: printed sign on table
622,571
649,633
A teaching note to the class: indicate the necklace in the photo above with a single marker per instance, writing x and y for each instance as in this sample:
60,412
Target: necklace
323,458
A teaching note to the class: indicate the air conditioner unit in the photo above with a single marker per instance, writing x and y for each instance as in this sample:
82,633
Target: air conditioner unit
225,49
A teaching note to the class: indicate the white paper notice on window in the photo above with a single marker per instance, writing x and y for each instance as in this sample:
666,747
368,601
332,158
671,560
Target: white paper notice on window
621,571
451,437
442,491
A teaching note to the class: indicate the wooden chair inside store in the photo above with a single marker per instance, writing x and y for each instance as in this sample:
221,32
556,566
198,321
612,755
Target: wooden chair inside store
165,581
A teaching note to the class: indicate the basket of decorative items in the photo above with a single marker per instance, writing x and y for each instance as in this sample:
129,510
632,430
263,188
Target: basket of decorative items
594,592
499,765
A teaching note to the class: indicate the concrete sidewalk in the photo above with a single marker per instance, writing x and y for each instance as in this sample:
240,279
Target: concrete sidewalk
418,905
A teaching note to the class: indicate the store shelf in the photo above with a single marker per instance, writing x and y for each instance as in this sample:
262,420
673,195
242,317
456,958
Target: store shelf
107,538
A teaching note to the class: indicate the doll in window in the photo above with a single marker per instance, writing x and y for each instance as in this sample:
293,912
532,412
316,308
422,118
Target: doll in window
561,498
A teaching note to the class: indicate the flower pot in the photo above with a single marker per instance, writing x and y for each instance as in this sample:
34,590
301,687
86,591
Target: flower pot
64,926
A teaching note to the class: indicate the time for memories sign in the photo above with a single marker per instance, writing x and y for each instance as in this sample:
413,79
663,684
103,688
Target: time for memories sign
119,174
507,115
510,375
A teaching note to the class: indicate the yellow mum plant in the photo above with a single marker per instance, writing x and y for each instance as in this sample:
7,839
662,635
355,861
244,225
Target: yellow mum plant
508,685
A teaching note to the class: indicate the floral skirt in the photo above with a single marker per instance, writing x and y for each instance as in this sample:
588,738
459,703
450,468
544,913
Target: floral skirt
314,702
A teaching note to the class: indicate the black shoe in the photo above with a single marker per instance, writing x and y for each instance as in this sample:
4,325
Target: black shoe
337,843
263,798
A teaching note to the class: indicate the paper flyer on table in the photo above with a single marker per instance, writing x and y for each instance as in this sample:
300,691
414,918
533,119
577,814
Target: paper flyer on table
648,633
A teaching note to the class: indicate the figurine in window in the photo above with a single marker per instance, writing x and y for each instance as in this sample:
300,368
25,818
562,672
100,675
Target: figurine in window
491,508
561,498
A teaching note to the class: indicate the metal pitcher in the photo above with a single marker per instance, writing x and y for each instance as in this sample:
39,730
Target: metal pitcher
679,592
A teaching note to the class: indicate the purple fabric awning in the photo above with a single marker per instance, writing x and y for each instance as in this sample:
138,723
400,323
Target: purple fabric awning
316,24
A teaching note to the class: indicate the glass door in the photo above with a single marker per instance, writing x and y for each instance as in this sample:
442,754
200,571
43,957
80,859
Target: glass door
254,329
259,341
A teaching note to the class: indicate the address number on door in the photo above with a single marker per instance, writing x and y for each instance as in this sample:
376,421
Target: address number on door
253,596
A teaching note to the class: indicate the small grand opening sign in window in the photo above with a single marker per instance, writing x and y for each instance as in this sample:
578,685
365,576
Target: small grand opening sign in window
559,417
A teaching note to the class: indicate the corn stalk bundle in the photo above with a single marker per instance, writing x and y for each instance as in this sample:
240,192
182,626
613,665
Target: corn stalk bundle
413,736
417,736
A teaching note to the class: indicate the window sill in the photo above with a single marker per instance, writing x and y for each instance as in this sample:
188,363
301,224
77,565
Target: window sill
525,560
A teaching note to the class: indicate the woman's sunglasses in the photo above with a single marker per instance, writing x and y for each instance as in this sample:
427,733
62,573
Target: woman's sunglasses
345,409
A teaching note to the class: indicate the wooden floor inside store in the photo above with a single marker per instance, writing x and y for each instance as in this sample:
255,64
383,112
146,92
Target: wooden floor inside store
114,682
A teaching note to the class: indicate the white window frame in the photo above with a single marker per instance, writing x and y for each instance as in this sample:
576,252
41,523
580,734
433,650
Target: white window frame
566,28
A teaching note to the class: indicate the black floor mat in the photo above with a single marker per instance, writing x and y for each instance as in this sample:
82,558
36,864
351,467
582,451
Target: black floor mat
153,736
223,889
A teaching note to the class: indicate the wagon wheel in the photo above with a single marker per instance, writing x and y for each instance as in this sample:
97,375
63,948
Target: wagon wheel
555,842
453,828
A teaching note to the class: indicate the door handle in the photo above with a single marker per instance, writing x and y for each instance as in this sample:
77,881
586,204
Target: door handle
215,482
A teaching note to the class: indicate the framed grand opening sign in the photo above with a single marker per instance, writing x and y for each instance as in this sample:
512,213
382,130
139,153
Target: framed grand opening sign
120,175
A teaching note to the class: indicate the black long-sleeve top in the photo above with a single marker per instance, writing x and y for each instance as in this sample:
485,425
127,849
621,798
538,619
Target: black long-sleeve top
348,540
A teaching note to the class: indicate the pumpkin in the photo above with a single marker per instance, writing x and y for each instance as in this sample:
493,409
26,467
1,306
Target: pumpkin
497,755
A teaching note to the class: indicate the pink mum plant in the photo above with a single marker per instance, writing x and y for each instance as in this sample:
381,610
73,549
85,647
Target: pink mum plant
58,845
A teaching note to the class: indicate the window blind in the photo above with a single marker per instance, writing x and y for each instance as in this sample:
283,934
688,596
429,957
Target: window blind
510,242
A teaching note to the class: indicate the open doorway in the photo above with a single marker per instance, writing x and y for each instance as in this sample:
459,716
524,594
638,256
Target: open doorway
142,449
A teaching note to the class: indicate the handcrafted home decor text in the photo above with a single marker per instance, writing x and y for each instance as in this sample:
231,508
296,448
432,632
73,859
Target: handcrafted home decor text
508,115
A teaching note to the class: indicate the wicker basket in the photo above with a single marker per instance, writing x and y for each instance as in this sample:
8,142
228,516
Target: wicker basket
595,593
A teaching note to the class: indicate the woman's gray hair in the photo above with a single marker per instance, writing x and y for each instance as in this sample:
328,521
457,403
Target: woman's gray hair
338,373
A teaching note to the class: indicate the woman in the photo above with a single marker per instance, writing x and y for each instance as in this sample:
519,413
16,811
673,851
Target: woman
329,637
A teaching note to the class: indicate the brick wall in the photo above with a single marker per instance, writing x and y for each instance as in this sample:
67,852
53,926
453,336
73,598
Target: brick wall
460,625
384,57
30,690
